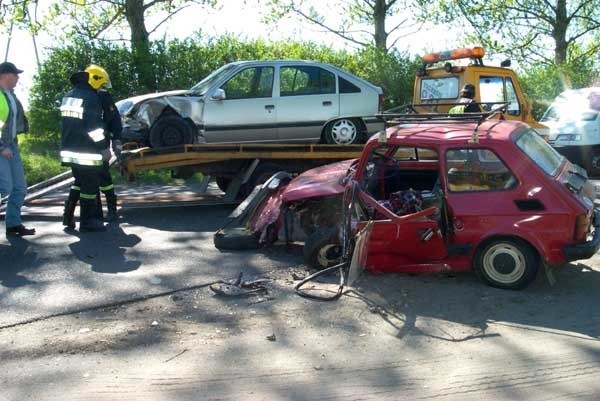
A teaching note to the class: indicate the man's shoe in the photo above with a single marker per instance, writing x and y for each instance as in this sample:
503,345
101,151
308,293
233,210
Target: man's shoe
20,230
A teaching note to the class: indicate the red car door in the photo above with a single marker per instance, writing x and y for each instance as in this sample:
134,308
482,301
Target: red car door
408,243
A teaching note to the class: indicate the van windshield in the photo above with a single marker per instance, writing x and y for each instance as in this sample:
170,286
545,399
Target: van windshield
573,106
540,152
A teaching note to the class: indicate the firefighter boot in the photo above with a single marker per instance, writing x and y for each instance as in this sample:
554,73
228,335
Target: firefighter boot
89,216
69,214
70,205
111,205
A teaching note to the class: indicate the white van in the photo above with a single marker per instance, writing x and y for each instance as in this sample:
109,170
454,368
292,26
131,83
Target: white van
573,120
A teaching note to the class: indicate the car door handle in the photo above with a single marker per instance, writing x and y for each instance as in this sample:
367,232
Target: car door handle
270,107
327,103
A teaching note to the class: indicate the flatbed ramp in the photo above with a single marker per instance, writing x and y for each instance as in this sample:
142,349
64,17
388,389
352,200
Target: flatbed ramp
201,155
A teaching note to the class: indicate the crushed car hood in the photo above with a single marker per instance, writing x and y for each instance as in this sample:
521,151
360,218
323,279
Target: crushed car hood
140,98
321,181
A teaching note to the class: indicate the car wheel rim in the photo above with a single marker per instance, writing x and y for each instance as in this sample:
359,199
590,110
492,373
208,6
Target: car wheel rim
504,263
328,255
171,137
343,132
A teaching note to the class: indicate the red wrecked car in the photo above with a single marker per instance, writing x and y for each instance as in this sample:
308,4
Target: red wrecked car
442,195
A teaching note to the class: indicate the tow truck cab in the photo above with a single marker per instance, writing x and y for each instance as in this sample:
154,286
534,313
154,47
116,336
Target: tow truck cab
443,74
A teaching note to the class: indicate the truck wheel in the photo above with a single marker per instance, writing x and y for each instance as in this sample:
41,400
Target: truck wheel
170,130
322,248
506,263
344,131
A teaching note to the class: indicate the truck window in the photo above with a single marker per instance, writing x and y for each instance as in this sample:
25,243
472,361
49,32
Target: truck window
469,170
514,108
494,90
439,88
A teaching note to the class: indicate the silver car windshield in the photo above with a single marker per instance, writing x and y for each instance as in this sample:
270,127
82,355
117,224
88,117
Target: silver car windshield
201,87
538,150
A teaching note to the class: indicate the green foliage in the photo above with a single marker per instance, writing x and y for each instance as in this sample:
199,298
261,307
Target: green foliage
542,83
40,157
179,64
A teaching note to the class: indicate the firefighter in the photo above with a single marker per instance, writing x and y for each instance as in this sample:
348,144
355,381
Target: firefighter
467,101
100,80
83,146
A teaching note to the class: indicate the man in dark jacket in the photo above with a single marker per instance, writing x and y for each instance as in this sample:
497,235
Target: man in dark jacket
12,176
83,145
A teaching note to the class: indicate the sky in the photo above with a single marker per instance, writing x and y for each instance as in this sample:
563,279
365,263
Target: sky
232,18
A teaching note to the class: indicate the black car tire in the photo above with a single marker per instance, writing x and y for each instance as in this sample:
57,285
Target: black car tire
322,248
507,263
170,130
344,131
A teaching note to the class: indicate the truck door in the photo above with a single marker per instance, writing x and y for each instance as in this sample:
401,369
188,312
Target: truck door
248,113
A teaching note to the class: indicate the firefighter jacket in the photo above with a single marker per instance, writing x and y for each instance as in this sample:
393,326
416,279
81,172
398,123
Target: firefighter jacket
110,116
82,131
10,126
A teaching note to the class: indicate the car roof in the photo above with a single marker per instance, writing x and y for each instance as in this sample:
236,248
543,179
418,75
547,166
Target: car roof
452,133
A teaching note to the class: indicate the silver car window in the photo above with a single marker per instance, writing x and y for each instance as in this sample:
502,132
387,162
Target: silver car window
202,86
253,82
303,80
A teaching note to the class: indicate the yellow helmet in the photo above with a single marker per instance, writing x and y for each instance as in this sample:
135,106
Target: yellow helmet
98,77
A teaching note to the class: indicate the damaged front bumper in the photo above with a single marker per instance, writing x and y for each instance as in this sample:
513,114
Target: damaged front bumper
237,234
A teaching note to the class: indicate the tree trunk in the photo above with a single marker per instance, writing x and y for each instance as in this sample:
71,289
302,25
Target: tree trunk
560,33
140,45
379,21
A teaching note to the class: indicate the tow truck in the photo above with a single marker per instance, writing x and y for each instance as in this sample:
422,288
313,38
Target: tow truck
237,168
438,82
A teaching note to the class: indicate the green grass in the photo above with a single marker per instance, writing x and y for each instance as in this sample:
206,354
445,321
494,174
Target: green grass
40,154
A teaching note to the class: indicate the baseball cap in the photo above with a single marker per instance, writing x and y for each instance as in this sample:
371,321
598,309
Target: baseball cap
9,68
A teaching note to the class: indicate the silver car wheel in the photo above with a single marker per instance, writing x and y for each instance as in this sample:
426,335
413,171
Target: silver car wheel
344,132
504,263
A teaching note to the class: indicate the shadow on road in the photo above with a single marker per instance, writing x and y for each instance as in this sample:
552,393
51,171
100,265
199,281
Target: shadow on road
10,272
105,251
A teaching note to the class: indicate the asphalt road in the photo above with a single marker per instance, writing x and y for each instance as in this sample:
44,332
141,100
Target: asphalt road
126,315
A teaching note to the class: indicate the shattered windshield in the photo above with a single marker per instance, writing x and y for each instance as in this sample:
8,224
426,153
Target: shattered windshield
202,86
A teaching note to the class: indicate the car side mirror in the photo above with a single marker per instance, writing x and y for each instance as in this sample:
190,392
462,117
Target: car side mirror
219,95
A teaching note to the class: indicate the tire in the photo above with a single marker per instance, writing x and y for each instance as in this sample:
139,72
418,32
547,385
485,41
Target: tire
322,248
344,131
506,263
170,130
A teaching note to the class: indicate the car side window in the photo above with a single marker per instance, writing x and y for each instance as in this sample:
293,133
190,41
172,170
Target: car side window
303,80
254,82
470,170
347,86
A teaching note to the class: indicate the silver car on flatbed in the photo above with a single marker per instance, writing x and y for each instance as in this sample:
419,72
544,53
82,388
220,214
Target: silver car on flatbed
259,101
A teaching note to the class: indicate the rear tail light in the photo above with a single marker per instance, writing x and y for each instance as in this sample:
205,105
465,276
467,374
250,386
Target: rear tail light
582,227
380,105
